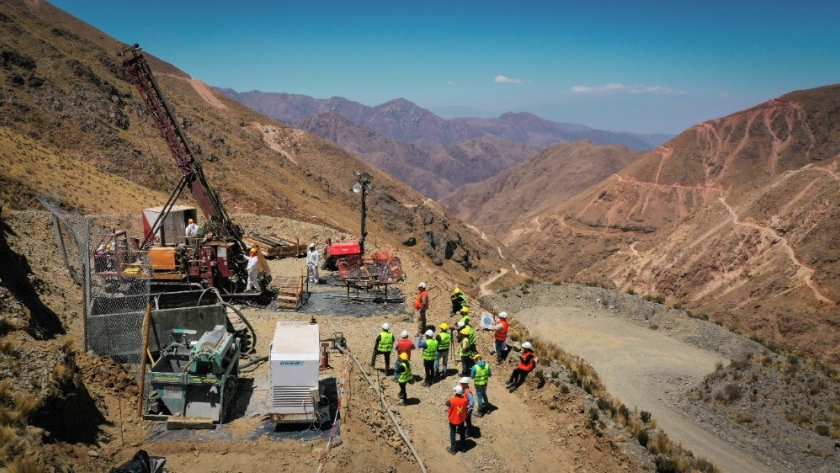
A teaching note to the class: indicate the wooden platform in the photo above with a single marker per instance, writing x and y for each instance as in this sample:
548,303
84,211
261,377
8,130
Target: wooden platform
273,246
289,291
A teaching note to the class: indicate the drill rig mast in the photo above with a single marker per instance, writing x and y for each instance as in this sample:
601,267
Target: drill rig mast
220,260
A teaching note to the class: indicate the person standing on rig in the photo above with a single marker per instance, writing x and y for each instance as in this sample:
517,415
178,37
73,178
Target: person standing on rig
191,230
421,305
253,269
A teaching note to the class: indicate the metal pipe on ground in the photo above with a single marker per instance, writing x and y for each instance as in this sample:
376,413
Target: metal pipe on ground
385,406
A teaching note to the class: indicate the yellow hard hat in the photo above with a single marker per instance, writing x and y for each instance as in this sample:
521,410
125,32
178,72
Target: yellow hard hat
476,357
465,310
465,331
253,251
443,326
403,356
190,220
457,290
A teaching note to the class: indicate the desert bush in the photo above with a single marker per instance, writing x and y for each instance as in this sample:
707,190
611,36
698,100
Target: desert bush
666,465
24,465
821,429
677,306
661,444
529,281
645,416
654,327
643,438
732,392
631,292
593,414
9,348
564,389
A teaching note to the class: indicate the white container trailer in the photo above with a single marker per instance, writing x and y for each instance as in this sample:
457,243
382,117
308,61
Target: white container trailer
170,231
293,373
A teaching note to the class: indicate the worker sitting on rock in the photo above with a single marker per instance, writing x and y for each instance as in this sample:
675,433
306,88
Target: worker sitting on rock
481,373
253,269
429,346
444,340
527,363
457,405
405,376
459,301
404,345
382,346
192,229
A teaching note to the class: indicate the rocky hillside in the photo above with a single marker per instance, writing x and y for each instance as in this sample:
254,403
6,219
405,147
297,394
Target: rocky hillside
70,110
432,170
506,204
736,217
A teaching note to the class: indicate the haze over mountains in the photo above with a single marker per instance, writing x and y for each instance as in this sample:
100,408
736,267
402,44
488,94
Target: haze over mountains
434,155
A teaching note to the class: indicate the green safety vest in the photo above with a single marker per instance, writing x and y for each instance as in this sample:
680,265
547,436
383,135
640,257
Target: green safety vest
386,342
468,352
482,374
431,349
406,375
445,341
471,335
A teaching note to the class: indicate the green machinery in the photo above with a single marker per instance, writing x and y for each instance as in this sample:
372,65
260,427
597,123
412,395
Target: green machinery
194,381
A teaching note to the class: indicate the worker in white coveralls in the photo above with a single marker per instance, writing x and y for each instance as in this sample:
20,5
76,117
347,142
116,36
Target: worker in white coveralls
192,229
313,260
253,269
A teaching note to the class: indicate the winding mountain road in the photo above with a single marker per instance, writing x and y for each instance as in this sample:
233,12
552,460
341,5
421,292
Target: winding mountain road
643,368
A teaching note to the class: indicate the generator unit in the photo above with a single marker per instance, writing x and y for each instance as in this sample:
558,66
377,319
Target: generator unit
293,369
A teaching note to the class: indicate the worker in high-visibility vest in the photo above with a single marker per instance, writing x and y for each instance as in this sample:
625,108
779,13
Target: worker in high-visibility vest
480,374
444,340
457,414
429,346
500,333
383,345
406,376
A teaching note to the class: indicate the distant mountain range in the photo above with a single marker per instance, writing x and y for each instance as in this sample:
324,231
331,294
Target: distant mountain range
402,120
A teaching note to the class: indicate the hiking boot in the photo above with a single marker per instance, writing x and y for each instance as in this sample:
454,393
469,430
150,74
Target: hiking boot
452,450
480,413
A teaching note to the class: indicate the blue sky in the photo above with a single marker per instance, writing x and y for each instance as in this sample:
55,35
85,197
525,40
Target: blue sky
646,66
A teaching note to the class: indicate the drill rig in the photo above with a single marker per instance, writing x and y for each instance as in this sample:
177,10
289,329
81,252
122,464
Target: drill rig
217,259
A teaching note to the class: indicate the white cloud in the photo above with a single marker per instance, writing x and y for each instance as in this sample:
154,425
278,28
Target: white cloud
508,80
618,88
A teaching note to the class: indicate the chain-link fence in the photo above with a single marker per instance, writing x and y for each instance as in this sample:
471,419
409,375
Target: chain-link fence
115,280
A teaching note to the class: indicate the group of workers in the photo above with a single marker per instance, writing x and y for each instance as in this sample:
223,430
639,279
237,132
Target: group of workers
435,351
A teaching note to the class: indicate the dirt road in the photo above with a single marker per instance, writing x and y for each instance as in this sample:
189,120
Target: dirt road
644,368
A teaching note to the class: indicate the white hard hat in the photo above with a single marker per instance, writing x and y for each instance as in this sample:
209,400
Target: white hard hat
465,380
422,285
526,345
312,245
502,315
460,323
458,389
385,326
404,334
429,333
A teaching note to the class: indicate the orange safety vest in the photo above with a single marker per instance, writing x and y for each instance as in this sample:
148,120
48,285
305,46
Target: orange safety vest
526,362
501,334
418,304
405,345
457,410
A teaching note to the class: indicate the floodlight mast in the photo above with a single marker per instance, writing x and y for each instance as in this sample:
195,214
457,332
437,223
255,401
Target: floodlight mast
363,186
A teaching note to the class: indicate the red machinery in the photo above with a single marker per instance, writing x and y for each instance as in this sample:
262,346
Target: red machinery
219,258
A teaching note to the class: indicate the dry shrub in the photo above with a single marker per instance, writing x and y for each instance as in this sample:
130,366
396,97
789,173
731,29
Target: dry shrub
660,444
9,347
61,373
24,465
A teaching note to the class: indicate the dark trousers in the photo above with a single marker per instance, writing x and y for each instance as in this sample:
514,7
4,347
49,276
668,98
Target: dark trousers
461,432
421,322
403,394
466,365
469,420
518,376
429,368
387,359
